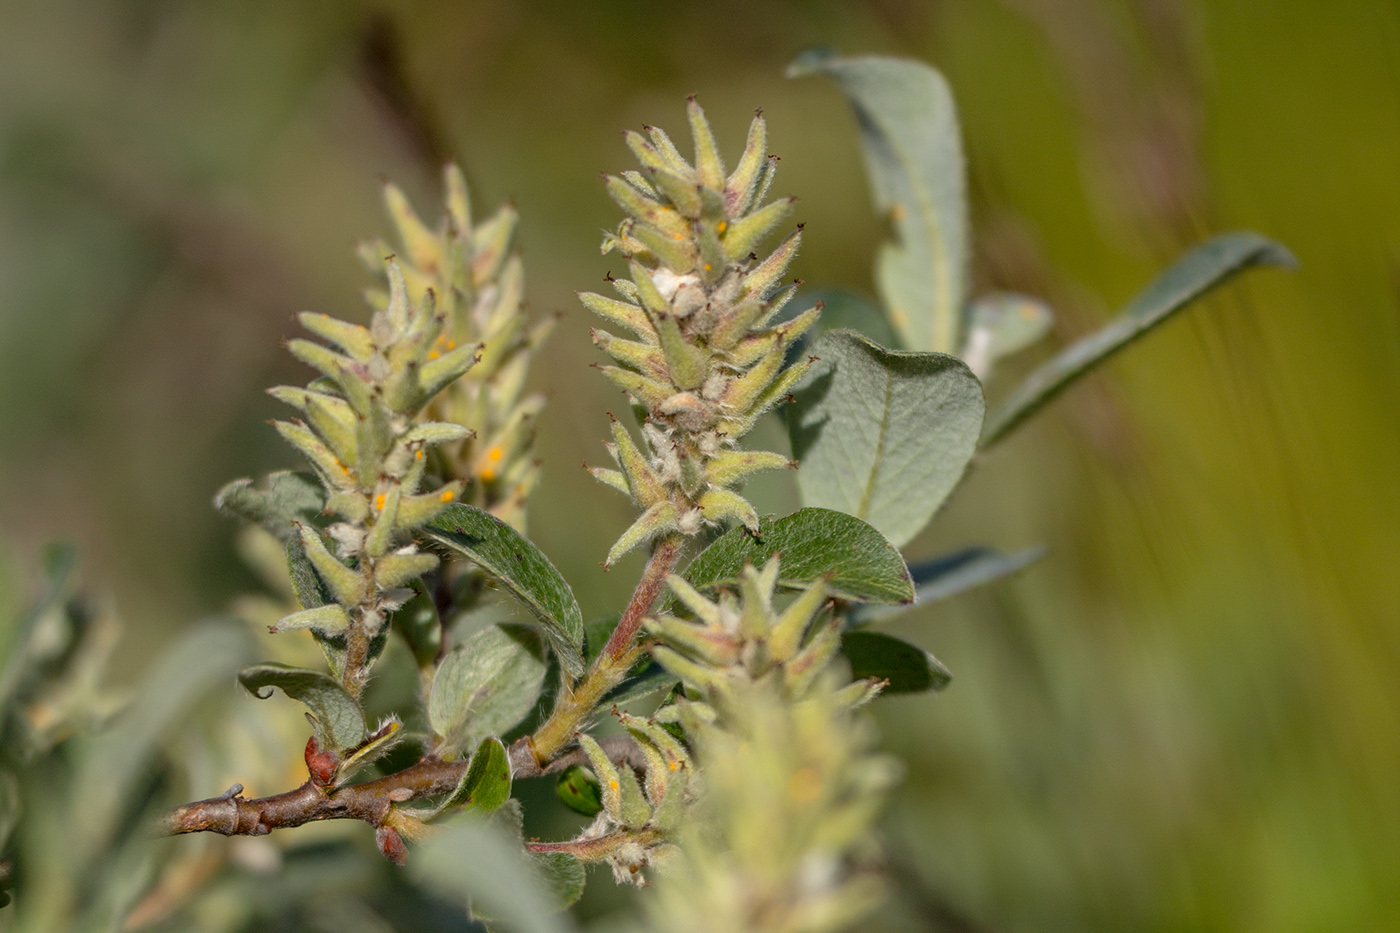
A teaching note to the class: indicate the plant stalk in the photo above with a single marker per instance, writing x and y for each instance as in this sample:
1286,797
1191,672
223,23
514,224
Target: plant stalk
614,661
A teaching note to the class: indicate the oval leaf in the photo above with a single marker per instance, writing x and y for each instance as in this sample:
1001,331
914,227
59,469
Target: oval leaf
862,565
883,435
486,684
486,783
336,717
1000,325
513,560
904,667
579,790
1191,276
913,154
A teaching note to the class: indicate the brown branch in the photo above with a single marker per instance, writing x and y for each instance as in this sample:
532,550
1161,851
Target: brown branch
231,814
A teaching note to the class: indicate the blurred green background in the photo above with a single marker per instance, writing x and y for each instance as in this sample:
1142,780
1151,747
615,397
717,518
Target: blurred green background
1186,717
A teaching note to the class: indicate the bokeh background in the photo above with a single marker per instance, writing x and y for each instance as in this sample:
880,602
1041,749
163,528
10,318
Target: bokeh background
1186,717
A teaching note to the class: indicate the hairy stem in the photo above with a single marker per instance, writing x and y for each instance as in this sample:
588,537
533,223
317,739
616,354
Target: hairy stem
617,657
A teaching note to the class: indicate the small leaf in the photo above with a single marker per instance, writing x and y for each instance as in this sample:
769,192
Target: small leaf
512,559
913,155
563,874
952,574
881,434
381,743
289,497
907,668
1000,325
579,790
859,564
486,684
486,783
337,718
1213,262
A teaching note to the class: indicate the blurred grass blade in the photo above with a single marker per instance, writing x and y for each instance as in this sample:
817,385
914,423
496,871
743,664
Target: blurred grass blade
515,562
883,435
1191,276
913,154
857,561
337,718
952,574
904,667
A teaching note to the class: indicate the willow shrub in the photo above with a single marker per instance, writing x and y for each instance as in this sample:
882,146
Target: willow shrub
712,731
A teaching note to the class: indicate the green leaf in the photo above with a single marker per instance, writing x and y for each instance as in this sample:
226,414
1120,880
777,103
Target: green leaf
335,716
907,668
486,684
578,789
289,497
913,154
474,860
952,574
513,560
862,566
883,435
486,783
563,874
1200,270
1000,325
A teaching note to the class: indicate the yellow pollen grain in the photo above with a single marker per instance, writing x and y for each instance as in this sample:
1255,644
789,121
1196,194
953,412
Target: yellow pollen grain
675,765
495,453
487,475
433,354
677,236
723,226
418,455
612,785
708,267
379,502
451,344
446,495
